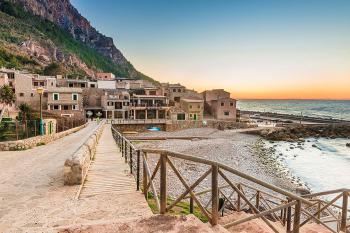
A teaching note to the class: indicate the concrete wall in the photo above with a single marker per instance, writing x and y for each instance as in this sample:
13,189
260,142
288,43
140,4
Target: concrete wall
76,166
36,141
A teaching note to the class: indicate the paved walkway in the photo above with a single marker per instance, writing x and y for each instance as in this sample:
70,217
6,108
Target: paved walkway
34,199
108,172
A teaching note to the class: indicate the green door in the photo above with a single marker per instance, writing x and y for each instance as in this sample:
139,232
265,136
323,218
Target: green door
195,117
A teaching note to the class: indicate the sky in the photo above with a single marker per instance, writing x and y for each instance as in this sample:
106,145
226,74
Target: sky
256,49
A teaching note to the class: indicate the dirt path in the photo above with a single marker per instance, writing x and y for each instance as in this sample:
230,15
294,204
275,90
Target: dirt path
33,197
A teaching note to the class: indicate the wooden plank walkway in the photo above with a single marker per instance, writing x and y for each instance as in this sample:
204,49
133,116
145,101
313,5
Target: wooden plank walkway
108,172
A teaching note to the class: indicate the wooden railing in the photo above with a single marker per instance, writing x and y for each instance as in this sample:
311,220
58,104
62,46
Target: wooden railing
230,190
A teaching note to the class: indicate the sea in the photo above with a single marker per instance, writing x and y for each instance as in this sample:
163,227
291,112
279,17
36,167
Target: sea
336,109
319,163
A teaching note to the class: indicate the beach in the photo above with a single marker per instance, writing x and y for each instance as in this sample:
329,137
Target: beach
230,147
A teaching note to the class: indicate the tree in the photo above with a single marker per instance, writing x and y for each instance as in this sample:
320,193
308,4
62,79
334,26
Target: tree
7,96
54,69
25,111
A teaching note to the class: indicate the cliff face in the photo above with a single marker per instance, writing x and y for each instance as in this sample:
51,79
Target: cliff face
63,14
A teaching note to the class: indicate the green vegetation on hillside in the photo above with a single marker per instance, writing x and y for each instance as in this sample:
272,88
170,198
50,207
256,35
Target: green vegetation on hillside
17,25
15,61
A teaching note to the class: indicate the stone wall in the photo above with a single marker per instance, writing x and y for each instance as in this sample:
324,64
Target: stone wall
76,166
36,141
217,124
137,127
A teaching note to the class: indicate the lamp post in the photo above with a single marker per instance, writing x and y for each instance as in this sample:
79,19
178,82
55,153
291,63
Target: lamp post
40,91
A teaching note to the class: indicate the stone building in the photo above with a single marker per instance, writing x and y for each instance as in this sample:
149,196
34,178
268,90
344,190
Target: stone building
219,104
115,104
224,109
148,106
174,92
26,86
65,101
193,107
105,76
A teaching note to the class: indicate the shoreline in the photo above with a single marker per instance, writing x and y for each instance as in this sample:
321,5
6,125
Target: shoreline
290,118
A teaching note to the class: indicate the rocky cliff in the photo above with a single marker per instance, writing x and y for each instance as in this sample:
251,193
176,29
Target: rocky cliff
62,14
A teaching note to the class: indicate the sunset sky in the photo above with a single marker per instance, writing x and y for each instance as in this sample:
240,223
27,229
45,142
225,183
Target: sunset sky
290,49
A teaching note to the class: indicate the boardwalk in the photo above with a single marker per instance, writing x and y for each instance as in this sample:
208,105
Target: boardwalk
34,199
108,172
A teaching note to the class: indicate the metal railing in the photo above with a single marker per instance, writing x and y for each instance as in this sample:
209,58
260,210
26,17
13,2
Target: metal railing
139,121
231,190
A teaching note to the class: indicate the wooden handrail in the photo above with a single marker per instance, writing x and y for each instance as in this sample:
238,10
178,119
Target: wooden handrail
290,213
229,169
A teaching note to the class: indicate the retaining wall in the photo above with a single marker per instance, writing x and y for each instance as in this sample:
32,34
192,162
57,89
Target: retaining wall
36,141
76,166
217,124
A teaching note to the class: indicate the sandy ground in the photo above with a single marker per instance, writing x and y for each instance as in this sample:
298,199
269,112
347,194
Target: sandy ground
34,199
229,147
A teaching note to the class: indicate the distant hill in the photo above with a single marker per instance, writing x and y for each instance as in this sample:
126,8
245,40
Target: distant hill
37,33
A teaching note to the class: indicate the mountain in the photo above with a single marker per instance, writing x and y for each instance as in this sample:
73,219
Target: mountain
37,33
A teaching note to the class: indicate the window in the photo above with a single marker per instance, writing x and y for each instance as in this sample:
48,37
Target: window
42,84
35,84
222,104
190,106
174,90
180,116
74,96
70,85
226,113
178,90
65,107
190,115
56,107
56,96
21,94
199,106
45,94
32,94
231,104
92,85
75,107
83,85
152,93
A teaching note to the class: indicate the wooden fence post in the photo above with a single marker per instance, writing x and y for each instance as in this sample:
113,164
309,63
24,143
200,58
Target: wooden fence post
126,151
344,211
214,195
297,213
138,170
130,160
289,218
144,178
163,183
122,147
257,200
191,205
238,199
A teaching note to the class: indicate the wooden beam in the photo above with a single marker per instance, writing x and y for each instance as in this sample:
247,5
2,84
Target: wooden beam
189,189
246,200
163,184
215,195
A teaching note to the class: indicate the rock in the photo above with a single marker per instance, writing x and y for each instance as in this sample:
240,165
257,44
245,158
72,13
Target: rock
313,145
348,144
302,191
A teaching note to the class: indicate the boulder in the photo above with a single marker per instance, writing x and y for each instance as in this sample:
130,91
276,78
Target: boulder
348,144
302,191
